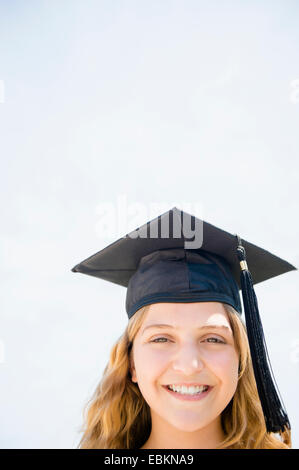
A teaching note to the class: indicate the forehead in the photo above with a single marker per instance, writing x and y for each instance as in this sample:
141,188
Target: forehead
193,314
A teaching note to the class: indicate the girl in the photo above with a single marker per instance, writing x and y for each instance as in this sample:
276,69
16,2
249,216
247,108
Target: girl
131,409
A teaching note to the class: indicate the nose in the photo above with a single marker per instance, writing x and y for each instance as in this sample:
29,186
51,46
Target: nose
188,359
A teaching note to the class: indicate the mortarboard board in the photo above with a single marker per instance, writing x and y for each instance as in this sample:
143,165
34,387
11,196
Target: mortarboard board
178,257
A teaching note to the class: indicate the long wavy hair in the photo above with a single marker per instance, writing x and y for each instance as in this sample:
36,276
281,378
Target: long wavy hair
117,416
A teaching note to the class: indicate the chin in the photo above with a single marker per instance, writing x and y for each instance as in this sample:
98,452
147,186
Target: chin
186,424
189,428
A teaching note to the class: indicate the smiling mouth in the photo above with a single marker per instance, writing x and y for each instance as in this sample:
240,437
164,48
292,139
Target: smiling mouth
195,396
203,388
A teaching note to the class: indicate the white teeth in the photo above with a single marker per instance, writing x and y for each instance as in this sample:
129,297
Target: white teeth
188,390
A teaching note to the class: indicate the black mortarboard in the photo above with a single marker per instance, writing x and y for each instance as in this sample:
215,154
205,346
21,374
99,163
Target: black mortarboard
177,257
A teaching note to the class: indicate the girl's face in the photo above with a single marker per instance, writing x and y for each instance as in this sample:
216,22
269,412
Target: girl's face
195,345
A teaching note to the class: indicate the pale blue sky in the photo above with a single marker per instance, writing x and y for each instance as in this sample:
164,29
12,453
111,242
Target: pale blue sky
166,101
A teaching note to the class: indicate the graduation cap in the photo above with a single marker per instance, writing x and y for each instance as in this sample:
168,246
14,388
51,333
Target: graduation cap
178,257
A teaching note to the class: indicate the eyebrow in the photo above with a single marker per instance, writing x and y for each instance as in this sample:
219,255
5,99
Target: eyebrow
205,327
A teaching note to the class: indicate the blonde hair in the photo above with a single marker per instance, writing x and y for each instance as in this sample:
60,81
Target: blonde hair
118,417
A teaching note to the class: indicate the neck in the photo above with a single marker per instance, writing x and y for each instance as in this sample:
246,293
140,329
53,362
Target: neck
165,436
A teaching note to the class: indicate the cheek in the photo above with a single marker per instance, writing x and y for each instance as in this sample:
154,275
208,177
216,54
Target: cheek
150,363
225,367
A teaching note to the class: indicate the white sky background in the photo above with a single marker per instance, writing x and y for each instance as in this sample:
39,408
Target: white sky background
156,102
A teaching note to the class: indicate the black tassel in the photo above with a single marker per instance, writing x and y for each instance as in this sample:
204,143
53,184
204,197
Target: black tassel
275,415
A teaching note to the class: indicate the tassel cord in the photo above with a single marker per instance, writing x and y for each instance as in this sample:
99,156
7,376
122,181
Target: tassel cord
275,417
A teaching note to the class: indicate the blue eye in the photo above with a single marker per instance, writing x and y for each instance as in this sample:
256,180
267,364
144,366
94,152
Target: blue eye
156,340
217,340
